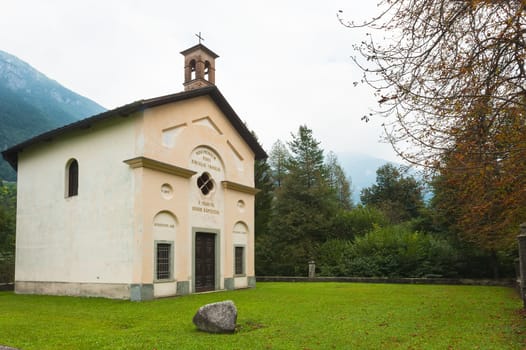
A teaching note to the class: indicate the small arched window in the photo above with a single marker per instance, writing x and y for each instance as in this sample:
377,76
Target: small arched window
72,178
193,67
207,70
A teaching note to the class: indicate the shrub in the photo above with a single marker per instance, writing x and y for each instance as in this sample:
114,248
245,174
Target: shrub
393,251
396,251
348,224
333,257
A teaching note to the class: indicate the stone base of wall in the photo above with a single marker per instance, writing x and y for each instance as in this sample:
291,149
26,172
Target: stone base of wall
133,292
140,292
105,290
229,284
183,287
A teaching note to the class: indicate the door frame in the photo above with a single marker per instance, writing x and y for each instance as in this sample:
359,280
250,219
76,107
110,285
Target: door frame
217,262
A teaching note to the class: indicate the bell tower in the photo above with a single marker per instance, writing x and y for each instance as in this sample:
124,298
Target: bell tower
199,67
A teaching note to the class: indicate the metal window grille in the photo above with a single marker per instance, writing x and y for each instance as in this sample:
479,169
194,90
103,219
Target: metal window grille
205,183
239,260
163,261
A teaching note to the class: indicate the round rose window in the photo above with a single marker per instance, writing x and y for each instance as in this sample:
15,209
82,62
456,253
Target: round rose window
205,183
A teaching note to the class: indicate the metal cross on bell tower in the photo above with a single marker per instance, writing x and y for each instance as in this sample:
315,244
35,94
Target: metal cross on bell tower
200,38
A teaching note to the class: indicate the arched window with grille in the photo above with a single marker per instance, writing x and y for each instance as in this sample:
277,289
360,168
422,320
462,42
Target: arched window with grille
240,245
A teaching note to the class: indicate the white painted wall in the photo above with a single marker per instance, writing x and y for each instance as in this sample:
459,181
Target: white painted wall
86,238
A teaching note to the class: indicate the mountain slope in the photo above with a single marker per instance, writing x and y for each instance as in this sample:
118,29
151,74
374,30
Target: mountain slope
31,103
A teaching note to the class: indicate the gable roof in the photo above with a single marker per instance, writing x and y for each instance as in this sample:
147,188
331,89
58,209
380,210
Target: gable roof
202,47
11,154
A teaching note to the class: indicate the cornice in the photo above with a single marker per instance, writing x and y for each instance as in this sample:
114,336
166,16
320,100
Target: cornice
149,163
229,185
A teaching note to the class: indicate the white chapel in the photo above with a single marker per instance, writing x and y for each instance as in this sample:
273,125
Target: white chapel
152,199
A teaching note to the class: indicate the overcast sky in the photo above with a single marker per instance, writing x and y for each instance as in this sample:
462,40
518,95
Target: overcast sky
282,63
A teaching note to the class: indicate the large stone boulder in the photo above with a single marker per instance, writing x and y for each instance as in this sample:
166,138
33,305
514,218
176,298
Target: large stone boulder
217,317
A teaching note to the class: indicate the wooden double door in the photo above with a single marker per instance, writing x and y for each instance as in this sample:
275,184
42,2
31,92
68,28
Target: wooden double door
205,261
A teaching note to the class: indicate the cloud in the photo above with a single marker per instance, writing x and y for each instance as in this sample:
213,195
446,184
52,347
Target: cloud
281,65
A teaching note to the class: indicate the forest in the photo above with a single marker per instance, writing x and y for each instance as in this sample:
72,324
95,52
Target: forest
304,212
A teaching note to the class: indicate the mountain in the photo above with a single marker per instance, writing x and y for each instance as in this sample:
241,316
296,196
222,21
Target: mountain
31,103
362,170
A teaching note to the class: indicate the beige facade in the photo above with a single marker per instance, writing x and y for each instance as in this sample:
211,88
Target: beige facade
164,201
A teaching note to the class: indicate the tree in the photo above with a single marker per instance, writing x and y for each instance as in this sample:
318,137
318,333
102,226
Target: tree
303,208
338,181
451,82
263,210
398,196
306,162
263,201
486,189
481,196
348,224
278,158
7,217
439,65
7,231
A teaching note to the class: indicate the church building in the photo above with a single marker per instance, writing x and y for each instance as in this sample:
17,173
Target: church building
152,199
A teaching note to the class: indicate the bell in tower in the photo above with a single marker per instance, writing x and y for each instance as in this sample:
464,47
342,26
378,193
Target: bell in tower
199,67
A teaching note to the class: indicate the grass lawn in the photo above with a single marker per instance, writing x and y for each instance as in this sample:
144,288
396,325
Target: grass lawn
276,316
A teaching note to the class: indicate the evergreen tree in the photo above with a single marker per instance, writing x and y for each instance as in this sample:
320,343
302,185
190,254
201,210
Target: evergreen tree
306,162
263,202
278,158
339,182
303,209
263,209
